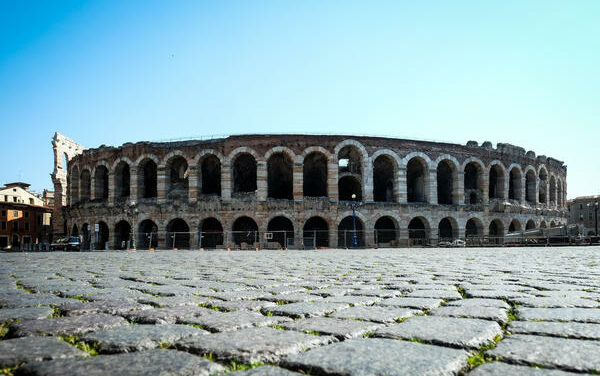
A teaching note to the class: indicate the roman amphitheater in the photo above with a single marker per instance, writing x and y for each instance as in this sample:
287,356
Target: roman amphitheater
297,191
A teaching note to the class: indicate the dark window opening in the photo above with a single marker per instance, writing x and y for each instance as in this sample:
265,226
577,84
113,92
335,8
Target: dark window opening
122,180
212,233
472,182
148,179
86,184
244,174
178,171
530,225
417,230
552,190
385,230
530,187
211,175
514,226
178,234
315,175
74,230
348,186
514,185
282,230
346,233
496,231
316,233
543,186
415,180
445,183
147,234
350,160
245,230
473,228
102,238
122,235
280,176
383,179
496,188
446,230
101,183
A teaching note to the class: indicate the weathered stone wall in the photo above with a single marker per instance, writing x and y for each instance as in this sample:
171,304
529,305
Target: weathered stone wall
527,189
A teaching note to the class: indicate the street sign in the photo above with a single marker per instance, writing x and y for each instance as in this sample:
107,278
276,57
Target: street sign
97,227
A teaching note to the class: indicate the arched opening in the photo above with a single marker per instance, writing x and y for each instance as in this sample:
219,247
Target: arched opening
530,186
102,236
384,173
514,226
74,230
122,235
416,173
543,186
530,225
473,183
543,224
552,190
212,233
418,231
85,236
210,169
496,232
473,228
147,235
386,231
65,161
496,188
86,185
178,183
178,234
282,230
514,184
446,171
101,183
316,233
552,224
447,229
559,194
346,233
245,232
74,185
349,185
280,176
315,175
122,180
244,174
147,179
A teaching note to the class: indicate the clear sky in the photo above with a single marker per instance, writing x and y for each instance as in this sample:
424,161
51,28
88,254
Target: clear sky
109,72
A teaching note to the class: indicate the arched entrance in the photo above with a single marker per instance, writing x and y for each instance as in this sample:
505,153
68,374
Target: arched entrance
316,233
282,231
447,229
102,235
147,235
418,231
212,233
386,231
346,233
122,235
496,232
245,232
178,234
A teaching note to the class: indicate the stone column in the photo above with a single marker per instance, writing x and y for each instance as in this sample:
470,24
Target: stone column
193,185
431,188
111,189
333,234
261,180
523,198
92,187
161,184
298,176
459,194
226,187
332,181
485,187
506,186
133,184
367,180
401,182
462,233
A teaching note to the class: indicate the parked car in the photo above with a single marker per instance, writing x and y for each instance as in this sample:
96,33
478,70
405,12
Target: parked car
70,243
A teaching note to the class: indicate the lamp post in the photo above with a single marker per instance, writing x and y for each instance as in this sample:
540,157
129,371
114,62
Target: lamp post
354,205
133,212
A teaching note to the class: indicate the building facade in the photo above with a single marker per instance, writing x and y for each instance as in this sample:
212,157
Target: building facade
24,219
297,190
583,211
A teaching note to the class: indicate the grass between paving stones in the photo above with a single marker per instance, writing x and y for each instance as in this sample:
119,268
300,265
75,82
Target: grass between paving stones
478,357
91,348
56,312
20,286
4,329
213,307
9,371
461,291
233,366
278,327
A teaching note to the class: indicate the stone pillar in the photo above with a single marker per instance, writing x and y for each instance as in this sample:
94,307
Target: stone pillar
523,198
485,187
111,189
462,233
298,182
401,182
133,184
367,180
431,188
92,187
298,236
333,234
332,181
506,186
433,235
193,185
459,194
161,184
369,235
226,187
261,180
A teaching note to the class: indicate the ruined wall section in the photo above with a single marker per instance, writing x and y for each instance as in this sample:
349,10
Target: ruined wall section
64,149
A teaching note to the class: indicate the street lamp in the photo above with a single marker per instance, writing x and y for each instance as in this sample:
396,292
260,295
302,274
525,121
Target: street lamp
354,205
132,212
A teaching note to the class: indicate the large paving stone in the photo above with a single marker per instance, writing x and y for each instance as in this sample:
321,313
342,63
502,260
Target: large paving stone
309,309
165,315
352,300
131,338
479,302
112,307
446,331
567,354
227,321
339,328
435,294
495,294
589,315
417,303
33,300
173,301
374,356
557,302
266,371
26,313
152,362
504,369
376,314
74,325
32,349
478,312
235,305
252,345
557,329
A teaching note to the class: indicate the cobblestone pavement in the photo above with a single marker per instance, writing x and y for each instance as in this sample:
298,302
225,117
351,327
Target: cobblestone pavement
519,311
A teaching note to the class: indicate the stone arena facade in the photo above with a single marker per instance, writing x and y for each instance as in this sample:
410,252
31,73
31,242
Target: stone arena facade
296,191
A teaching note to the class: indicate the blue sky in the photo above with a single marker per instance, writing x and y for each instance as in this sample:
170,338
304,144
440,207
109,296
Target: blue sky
109,72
